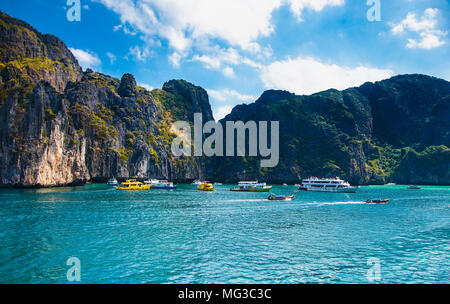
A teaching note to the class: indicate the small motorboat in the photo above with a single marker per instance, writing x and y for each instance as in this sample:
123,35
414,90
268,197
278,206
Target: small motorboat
112,182
377,201
133,185
160,184
413,187
273,197
205,186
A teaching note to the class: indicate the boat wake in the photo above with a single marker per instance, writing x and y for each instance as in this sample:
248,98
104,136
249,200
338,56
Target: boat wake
246,200
335,203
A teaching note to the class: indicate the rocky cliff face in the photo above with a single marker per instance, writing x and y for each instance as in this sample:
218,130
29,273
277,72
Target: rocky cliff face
62,126
393,130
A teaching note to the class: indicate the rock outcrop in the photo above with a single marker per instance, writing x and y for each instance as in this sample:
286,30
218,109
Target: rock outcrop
61,126
396,130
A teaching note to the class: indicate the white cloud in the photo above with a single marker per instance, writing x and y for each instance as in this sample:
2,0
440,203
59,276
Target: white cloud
86,59
218,57
228,72
224,100
221,112
429,36
174,59
141,53
227,95
187,24
111,56
146,86
427,41
306,75
237,22
297,6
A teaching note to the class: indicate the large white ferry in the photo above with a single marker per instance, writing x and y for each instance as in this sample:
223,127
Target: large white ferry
326,185
252,187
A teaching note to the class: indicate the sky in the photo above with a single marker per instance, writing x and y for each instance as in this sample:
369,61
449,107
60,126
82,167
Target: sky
237,49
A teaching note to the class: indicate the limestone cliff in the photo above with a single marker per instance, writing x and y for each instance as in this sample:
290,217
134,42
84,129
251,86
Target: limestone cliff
60,125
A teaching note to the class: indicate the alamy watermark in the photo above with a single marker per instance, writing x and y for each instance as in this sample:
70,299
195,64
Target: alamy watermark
374,272
258,144
74,10
74,272
374,12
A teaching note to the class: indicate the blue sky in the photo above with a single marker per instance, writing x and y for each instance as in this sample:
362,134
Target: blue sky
236,49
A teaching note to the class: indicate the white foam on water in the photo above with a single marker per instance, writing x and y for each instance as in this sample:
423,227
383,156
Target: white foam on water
335,203
245,200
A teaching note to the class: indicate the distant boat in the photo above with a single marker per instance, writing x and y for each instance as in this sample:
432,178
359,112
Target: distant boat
413,187
391,184
327,185
284,184
272,197
160,184
297,185
132,184
196,182
377,201
112,182
218,184
205,186
252,187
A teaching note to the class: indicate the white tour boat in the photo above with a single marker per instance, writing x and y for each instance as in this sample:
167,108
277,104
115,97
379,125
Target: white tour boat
252,187
112,182
327,185
160,184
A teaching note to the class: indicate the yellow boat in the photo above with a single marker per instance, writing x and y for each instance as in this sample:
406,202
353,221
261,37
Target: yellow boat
132,184
205,186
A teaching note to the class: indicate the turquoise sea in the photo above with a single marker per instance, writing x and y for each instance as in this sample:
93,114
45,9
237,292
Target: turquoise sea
187,236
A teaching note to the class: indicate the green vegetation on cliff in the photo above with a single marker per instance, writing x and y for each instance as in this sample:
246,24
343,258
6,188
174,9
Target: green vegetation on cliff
365,135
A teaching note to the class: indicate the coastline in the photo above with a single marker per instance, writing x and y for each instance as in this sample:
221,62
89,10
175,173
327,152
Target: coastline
18,187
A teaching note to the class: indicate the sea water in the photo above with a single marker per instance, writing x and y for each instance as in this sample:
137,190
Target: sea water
188,236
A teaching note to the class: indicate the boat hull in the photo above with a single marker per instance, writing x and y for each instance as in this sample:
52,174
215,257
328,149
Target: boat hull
266,189
164,187
280,198
346,190
377,201
134,188
205,187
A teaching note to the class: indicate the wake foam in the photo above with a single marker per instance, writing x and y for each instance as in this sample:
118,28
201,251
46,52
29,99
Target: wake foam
335,203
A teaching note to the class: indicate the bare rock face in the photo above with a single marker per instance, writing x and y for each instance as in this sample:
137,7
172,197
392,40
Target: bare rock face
61,126
196,97
127,87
